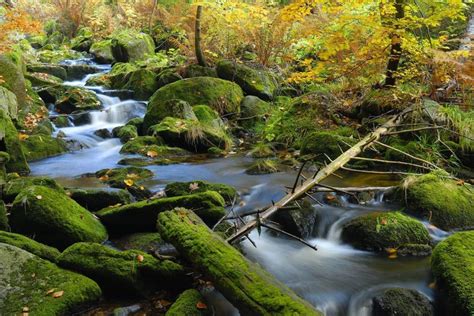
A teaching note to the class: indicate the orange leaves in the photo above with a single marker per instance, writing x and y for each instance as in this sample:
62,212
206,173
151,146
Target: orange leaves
58,294
140,258
16,21
201,305
152,154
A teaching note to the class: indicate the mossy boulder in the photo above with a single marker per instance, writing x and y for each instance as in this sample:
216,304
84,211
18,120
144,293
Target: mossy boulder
53,218
96,199
30,245
41,79
137,122
221,95
130,46
380,101
102,80
186,188
167,76
174,108
121,272
8,102
437,197
255,82
300,221
147,242
322,143
194,70
3,217
378,231
152,147
143,83
77,99
38,147
141,216
27,280
398,301
13,78
50,69
83,40
117,176
187,304
56,55
125,133
253,112
102,51
79,71
452,264
10,143
15,185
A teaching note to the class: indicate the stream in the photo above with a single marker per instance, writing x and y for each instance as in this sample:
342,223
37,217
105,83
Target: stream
336,278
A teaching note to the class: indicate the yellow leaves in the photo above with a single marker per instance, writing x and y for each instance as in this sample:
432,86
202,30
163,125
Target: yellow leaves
140,258
128,182
22,136
58,294
392,253
201,305
152,154
16,21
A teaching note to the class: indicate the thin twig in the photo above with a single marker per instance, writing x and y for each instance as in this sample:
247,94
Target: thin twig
379,172
394,162
408,155
289,235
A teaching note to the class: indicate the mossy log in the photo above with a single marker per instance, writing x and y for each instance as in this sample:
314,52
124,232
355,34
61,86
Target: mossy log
250,288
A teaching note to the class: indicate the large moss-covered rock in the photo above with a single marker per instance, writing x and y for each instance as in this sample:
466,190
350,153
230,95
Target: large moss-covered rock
382,230
13,78
10,143
185,188
152,147
17,184
143,83
147,242
398,301
324,143
245,284
121,272
41,79
96,199
221,95
437,197
38,147
452,264
54,70
174,108
125,133
187,304
129,178
27,280
253,111
53,218
8,102
77,99
141,216
102,51
130,46
254,82
194,70
56,55
30,245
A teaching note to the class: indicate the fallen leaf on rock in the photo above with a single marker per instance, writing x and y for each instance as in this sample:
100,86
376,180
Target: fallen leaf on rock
39,197
104,178
193,186
50,291
140,258
25,309
201,305
128,182
58,294
151,153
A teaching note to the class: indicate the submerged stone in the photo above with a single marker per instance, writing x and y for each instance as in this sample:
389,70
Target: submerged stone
398,301
96,199
192,187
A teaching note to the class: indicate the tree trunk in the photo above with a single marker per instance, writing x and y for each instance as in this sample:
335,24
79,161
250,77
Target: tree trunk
396,49
197,38
246,285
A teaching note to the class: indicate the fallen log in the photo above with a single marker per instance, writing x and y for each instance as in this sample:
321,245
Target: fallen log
322,174
245,284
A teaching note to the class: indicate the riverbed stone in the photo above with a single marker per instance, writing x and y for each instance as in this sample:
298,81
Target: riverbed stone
10,143
228,192
83,40
322,143
221,95
188,304
77,99
300,222
143,82
263,166
130,46
16,184
174,108
398,301
254,82
437,197
452,264
38,147
41,79
147,242
26,282
53,218
128,178
253,112
195,70
50,69
121,272
102,51
153,147
125,133
141,216
379,231
97,199
30,245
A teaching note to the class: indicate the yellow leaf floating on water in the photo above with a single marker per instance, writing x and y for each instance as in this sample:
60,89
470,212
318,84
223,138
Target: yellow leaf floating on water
58,294
393,256
128,182
391,251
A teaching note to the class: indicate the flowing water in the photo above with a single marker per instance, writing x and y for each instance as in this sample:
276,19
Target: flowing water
337,279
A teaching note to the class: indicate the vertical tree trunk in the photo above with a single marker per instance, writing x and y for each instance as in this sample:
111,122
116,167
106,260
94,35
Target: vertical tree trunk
197,38
396,49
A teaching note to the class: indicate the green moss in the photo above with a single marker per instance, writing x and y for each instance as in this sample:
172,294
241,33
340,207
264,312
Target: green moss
102,51
186,304
42,146
125,133
143,83
263,166
174,108
140,241
397,301
192,71
53,55
120,272
39,79
435,196
223,96
325,143
141,216
16,185
10,143
381,230
99,80
34,247
254,82
116,177
262,150
137,122
77,99
381,101
140,145
8,102
253,112
3,217
95,200
26,280
53,218
55,71
452,264
245,284
185,188
13,79
130,46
